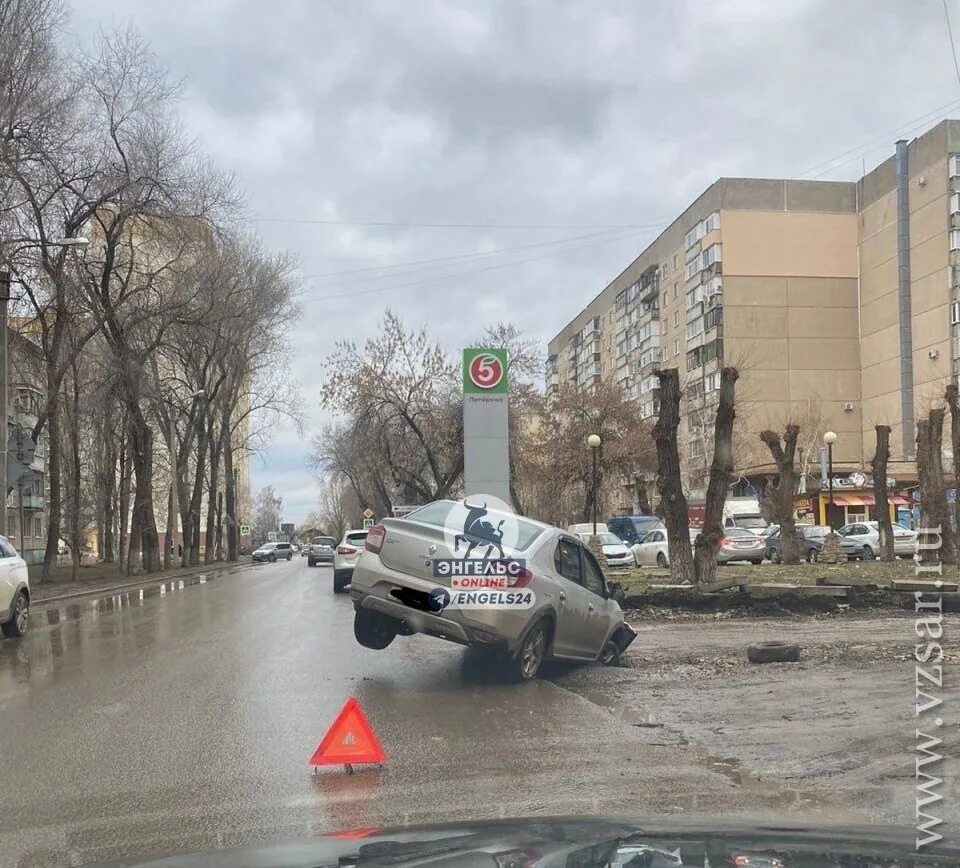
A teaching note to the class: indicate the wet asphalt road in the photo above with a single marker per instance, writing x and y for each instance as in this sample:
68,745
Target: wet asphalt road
156,722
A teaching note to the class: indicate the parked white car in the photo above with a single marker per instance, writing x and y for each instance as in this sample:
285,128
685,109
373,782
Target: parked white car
866,534
345,558
587,527
615,551
14,592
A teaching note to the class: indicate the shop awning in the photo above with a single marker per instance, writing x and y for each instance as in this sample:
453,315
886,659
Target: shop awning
866,500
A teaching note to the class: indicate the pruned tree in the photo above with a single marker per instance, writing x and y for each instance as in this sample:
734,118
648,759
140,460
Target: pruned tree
782,493
707,543
333,508
267,509
952,397
673,502
878,465
933,498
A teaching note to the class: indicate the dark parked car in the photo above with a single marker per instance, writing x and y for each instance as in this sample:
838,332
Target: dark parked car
811,541
633,528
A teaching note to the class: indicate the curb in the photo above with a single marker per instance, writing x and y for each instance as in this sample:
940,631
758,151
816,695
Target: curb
109,590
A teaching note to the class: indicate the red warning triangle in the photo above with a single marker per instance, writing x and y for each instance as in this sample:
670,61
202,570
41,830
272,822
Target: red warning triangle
350,739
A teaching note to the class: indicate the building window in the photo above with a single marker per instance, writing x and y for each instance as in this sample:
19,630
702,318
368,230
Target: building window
955,239
38,527
665,299
676,346
676,261
676,318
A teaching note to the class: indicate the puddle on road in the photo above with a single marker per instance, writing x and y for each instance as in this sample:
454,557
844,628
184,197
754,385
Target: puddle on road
57,613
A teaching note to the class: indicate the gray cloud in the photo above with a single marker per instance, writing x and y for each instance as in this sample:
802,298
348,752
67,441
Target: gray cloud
572,113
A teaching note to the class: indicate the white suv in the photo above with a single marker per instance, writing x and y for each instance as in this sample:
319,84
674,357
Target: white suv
14,592
345,558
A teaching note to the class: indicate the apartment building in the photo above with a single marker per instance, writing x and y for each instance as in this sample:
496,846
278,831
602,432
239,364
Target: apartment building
839,302
757,273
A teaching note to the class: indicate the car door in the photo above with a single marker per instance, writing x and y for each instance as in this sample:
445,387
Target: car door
13,570
600,610
571,601
649,546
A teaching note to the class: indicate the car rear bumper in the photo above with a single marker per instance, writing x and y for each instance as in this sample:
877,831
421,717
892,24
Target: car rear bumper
725,557
371,586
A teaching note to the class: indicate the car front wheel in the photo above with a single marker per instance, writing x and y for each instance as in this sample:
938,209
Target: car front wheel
20,619
662,560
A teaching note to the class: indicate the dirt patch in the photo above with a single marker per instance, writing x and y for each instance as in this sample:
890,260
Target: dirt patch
839,724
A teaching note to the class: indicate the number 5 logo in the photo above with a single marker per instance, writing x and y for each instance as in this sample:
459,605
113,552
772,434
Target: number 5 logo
486,371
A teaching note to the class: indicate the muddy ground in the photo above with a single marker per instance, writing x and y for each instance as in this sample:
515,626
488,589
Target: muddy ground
838,728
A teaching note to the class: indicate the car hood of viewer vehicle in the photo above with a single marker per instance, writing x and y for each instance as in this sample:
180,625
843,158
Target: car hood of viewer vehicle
666,841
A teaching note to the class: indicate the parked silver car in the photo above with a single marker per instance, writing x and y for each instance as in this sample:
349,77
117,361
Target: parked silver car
866,536
615,551
552,603
320,550
739,544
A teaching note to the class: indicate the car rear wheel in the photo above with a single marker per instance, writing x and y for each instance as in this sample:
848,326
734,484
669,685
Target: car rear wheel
311,562
20,619
662,560
773,556
867,554
531,653
341,578
374,629
273,559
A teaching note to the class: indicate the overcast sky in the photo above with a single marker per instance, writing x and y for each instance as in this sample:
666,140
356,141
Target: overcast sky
572,117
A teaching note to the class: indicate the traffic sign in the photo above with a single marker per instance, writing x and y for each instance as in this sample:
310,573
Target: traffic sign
367,523
244,530
349,740
368,513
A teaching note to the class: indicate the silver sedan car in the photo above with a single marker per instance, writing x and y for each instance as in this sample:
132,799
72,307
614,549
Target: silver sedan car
538,596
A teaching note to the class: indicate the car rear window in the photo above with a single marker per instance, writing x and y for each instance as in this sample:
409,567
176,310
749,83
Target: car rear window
357,537
436,514
324,541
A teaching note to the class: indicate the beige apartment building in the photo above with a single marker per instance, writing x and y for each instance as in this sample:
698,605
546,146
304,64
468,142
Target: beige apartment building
839,302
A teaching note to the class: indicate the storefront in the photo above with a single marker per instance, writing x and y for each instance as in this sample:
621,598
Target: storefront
848,506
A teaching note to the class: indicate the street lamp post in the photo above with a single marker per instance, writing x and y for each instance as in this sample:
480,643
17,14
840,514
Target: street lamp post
4,374
593,441
829,439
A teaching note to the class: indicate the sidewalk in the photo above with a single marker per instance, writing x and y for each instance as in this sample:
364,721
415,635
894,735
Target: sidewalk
93,577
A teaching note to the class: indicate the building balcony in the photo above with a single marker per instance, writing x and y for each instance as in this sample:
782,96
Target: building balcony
33,501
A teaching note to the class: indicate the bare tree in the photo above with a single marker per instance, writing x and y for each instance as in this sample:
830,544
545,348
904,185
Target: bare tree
933,499
785,489
878,465
708,540
333,511
673,502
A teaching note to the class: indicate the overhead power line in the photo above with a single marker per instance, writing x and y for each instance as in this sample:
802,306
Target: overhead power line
388,224
496,267
953,45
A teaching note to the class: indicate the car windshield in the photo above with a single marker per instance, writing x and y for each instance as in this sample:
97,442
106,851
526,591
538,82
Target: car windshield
484,288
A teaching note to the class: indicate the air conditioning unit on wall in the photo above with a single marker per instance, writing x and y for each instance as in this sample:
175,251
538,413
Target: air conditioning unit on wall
848,407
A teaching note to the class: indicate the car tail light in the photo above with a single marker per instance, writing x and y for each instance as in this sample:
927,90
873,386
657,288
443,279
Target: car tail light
740,860
725,541
346,550
521,580
375,538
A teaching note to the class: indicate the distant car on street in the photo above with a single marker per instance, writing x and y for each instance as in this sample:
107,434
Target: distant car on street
559,605
586,527
866,536
273,551
320,550
345,558
615,553
740,544
633,528
14,592
811,537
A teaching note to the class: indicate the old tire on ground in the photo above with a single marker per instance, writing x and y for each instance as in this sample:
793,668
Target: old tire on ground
773,652
662,560
341,578
610,655
19,617
523,665
373,629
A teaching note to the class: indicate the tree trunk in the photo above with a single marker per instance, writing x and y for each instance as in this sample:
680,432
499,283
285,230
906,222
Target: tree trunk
219,532
213,491
169,537
54,468
721,473
109,493
191,508
233,523
123,498
783,493
673,502
76,541
149,539
643,496
953,402
937,544
880,496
